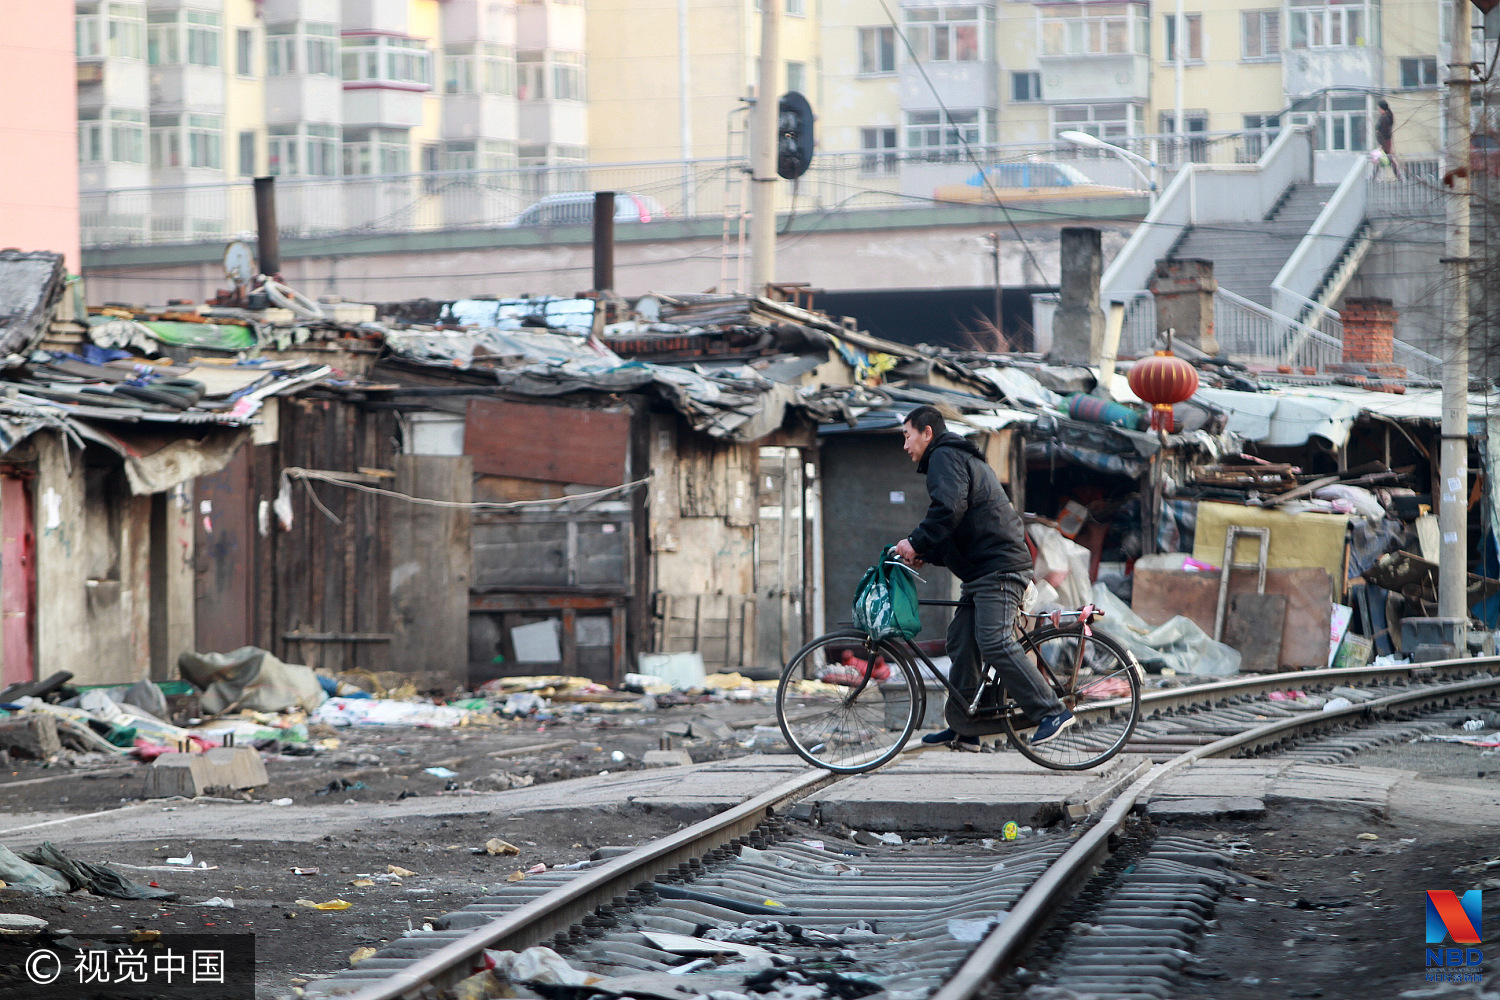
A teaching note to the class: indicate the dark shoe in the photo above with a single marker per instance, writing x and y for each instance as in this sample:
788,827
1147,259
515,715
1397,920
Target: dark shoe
1051,726
950,738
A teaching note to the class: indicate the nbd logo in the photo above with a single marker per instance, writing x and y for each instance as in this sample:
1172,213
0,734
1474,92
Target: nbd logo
1450,915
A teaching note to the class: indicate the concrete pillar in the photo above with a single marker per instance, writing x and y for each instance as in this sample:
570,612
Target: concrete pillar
1370,338
1078,324
1184,292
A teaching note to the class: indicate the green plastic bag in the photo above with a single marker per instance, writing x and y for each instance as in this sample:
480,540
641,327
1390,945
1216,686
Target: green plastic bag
885,603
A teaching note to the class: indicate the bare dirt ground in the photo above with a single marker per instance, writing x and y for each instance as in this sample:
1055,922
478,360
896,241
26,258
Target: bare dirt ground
295,943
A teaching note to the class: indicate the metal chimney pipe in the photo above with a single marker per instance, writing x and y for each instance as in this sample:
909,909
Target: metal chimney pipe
268,242
604,241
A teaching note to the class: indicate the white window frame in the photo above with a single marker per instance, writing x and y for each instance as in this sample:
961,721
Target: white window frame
877,51
1260,35
1194,33
191,141
1033,86
1314,25
184,38
880,146
397,62
93,137
126,33
244,52
1426,72
127,135
1102,119
1077,30
88,33
1340,123
935,137
376,152
936,34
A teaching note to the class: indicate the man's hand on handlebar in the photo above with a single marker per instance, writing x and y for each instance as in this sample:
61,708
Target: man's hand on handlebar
908,555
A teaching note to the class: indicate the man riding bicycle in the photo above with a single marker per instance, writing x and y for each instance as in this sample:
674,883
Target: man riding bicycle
972,529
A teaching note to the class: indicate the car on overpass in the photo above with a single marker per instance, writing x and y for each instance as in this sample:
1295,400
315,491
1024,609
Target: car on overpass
576,208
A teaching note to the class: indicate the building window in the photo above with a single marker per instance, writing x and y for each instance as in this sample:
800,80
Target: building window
282,149
247,154
567,76
1260,131
796,77
936,137
1196,149
478,69
87,40
1194,29
321,42
370,151
244,47
1104,30
531,75
880,156
1339,124
187,141
308,150
1102,121
127,136
1026,86
384,59
90,137
946,34
281,49
1417,73
177,37
877,51
1318,25
1260,34
127,23
796,8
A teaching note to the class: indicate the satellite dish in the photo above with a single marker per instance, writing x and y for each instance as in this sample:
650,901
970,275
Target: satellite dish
239,264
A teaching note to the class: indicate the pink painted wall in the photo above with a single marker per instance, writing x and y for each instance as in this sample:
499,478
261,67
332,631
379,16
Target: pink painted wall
39,130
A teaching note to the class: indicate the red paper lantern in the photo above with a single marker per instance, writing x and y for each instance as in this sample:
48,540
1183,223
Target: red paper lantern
1162,381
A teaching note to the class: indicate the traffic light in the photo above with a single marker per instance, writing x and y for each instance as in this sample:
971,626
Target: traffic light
794,136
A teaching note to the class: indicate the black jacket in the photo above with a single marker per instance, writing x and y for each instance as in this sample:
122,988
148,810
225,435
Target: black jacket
970,526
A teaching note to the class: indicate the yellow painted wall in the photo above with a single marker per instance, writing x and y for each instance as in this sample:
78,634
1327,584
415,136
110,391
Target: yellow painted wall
424,20
244,97
1411,29
1223,83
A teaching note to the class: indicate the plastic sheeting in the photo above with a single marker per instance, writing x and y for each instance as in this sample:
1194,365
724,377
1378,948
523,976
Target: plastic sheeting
251,678
1178,643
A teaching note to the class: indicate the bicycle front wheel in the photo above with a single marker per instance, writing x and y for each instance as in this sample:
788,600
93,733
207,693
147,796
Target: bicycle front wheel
848,703
1104,696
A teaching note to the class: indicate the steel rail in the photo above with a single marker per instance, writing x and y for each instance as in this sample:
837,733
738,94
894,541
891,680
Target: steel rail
556,911
1027,918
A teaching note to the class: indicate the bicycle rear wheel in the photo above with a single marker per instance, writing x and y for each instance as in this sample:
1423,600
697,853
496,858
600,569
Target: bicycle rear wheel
1105,698
863,711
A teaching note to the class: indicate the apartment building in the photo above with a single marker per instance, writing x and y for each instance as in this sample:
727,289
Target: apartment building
177,97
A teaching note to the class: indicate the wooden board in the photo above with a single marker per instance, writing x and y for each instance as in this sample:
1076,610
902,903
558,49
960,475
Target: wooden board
1297,540
430,571
1254,626
1160,594
559,444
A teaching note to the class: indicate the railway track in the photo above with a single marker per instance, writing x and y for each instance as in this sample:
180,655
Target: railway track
748,903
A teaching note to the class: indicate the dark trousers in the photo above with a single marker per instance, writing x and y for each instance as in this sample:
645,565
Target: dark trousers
984,632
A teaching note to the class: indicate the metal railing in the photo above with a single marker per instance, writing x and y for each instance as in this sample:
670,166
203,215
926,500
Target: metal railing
472,199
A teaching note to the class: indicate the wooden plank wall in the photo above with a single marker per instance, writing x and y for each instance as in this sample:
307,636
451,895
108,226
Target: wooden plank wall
329,577
431,569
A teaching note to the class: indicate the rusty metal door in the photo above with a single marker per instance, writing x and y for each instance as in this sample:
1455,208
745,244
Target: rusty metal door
224,567
779,542
17,582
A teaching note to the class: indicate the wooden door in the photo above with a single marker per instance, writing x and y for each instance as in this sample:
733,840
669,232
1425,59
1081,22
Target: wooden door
17,583
779,541
224,567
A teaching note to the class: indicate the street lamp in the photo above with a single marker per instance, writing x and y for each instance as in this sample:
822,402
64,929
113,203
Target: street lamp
1094,142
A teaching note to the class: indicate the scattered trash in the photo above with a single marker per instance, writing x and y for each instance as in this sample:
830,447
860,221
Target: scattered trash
440,772
281,802
515,876
1473,725
340,785
363,882
618,757
497,846
98,879
1368,836
1010,831
304,871
360,954
398,871
186,860
971,931
536,965
332,904
536,869
218,901
1332,704
21,924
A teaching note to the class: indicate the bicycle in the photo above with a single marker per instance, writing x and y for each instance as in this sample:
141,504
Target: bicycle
1093,675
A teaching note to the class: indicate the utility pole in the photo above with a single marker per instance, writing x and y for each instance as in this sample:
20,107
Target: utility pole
763,153
1453,507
